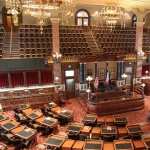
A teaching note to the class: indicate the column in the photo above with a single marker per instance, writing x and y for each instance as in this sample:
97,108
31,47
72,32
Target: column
81,72
85,72
96,70
56,49
120,69
9,80
139,44
139,35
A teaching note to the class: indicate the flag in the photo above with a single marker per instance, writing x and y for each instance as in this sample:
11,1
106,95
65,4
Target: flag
96,83
107,75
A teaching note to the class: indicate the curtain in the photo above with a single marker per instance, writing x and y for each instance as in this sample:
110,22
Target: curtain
17,79
46,76
3,80
32,78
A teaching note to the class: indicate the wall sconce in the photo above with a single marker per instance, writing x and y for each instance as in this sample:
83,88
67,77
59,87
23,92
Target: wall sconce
146,72
56,57
124,76
89,79
56,80
88,92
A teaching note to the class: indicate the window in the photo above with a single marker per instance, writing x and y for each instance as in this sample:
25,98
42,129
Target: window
134,20
82,18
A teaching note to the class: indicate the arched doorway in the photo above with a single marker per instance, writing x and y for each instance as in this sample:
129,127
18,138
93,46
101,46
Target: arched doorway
82,18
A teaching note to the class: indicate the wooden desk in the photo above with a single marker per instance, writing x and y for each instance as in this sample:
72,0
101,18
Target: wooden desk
24,133
55,141
47,121
109,130
56,110
2,117
75,127
109,120
23,107
134,129
147,143
139,145
27,111
108,146
120,121
95,132
109,133
68,144
122,131
90,119
18,129
100,120
78,145
123,145
93,145
32,114
86,130
65,113
8,125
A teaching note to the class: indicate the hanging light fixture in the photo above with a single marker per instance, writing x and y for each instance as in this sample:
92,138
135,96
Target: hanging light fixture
40,9
14,8
112,14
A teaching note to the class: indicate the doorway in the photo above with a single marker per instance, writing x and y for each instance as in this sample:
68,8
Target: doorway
70,83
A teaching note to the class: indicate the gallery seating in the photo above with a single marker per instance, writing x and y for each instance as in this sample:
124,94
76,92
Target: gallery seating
72,41
115,40
33,43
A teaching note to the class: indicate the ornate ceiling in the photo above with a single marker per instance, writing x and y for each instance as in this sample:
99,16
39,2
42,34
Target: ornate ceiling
140,4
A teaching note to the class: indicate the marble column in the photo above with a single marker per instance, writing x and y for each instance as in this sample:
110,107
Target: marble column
56,49
9,80
138,46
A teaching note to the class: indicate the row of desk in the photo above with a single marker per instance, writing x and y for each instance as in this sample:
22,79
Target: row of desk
35,116
92,120
105,130
56,141
11,125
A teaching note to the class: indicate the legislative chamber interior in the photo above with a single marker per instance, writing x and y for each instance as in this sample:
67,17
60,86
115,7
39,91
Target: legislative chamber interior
74,74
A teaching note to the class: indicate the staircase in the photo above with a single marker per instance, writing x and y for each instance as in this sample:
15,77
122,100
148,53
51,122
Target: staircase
11,47
95,49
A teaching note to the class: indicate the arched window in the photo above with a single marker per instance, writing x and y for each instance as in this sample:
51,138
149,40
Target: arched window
82,18
134,20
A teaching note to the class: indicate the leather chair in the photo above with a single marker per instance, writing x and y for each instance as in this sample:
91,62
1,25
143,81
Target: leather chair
21,118
109,138
73,135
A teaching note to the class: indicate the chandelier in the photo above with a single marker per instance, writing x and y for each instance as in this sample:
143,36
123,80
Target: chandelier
41,9
66,11
112,14
14,8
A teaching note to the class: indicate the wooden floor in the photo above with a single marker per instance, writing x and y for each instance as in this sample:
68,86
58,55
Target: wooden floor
78,105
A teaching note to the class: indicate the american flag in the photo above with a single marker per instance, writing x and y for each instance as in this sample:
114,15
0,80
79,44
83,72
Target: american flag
107,75
96,83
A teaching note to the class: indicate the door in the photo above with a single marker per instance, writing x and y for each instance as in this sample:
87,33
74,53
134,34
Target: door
70,83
